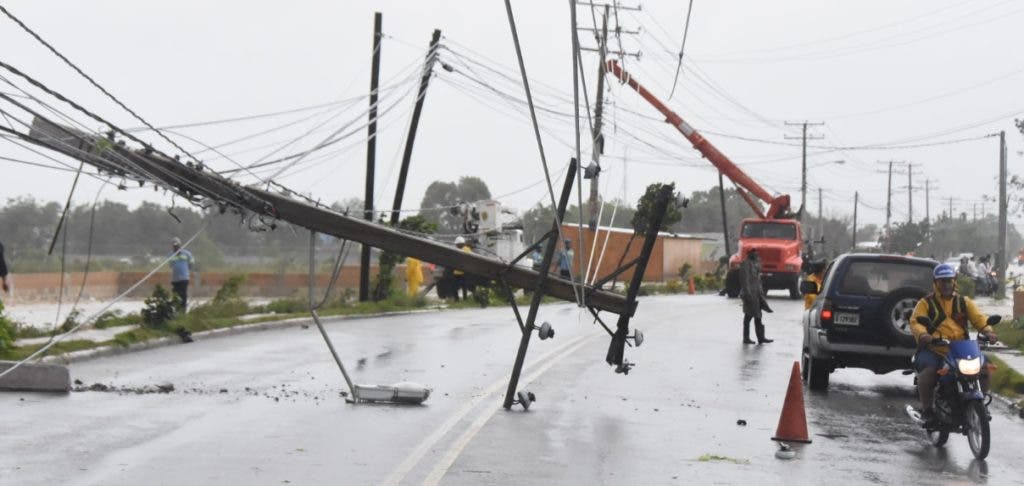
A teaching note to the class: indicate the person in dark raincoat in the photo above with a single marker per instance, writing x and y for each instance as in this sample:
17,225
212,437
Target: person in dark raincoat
752,295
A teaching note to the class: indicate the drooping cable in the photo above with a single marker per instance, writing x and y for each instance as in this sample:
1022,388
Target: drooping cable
682,49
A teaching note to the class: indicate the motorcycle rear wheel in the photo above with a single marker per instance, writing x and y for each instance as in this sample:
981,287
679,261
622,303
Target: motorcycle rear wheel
978,435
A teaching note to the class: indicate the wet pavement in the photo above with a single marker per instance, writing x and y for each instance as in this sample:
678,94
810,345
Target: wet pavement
265,408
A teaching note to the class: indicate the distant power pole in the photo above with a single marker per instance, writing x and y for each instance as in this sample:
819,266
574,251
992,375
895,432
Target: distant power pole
951,208
853,240
371,155
821,216
1001,257
803,163
910,193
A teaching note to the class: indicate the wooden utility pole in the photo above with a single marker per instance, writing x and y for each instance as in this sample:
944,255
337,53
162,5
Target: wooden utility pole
598,137
927,200
950,208
888,201
853,241
428,67
725,220
803,163
371,157
1001,257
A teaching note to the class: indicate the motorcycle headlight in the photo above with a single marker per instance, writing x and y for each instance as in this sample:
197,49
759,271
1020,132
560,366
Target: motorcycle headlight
969,366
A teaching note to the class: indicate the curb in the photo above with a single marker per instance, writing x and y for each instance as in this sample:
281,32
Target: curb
114,350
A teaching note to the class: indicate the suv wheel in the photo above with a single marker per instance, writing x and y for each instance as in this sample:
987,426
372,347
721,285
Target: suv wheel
896,310
817,374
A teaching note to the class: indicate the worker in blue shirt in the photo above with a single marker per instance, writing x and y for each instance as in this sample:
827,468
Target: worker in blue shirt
181,263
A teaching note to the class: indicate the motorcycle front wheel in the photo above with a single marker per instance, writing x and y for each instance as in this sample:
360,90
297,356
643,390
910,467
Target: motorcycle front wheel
977,429
938,438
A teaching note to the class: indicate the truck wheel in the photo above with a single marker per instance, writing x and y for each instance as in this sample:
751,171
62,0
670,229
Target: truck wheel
732,284
817,374
794,289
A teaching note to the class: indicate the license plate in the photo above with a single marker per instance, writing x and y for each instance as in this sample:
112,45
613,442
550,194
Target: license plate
847,319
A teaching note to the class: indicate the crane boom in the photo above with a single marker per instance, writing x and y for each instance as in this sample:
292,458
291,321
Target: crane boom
778,206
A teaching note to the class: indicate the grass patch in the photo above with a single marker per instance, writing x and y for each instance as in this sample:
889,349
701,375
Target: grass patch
1012,333
1006,381
19,353
715,457
116,319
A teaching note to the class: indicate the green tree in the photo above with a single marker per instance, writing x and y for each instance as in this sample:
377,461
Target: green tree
440,196
645,208
384,284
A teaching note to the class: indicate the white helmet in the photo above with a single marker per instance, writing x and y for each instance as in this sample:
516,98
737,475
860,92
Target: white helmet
459,240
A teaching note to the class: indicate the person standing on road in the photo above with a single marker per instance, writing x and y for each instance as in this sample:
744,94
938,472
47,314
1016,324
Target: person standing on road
752,296
460,276
565,260
181,263
949,313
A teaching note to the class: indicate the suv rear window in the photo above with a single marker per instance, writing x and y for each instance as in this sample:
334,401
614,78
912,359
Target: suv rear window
778,231
876,278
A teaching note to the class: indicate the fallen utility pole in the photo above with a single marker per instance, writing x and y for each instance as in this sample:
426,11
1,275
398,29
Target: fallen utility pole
192,181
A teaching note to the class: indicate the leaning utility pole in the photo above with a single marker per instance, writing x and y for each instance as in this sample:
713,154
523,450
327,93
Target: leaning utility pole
428,68
853,241
371,157
1001,257
725,221
803,163
598,138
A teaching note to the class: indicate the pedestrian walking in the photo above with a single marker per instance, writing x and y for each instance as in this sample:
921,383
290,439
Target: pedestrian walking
182,262
565,260
752,295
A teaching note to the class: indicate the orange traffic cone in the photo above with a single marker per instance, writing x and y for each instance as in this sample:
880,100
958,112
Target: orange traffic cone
692,288
793,421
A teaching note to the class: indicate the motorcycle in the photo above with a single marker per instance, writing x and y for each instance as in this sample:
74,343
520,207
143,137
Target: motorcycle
960,405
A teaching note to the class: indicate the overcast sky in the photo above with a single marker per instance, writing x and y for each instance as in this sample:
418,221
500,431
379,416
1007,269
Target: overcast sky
875,72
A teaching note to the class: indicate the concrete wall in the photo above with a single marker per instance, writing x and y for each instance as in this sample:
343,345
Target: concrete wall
41,287
668,254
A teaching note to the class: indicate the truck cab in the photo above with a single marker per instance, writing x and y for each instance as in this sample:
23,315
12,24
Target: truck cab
778,244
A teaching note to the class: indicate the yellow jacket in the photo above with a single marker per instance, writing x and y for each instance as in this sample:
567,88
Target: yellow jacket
413,274
948,328
467,249
809,298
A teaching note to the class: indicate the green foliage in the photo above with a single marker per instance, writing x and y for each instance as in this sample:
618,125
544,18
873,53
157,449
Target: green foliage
482,296
284,306
70,321
965,285
159,308
949,236
7,331
230,290
709,282
645,208
441,195
116,318
1006,381
18,353
684,271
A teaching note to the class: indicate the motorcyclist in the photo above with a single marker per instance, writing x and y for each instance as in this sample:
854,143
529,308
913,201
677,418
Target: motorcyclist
949,313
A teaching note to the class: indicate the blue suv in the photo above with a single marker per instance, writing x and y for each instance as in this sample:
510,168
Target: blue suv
861,317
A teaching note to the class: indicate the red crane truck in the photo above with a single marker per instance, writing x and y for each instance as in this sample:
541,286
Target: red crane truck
774,233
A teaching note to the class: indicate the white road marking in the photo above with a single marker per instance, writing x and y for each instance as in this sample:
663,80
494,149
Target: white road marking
455,450
431,440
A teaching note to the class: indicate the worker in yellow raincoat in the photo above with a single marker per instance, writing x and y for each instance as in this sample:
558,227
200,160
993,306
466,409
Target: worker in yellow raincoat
413,275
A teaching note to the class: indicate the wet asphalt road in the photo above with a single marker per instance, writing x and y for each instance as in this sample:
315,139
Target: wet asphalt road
264,408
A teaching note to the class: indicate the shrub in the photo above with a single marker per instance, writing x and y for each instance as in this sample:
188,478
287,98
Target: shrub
116,318
675,286
965,285
6,331
229,291
684,271
159,307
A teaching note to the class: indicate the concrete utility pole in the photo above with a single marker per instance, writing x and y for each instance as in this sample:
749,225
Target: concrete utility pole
598,137
1001,257
927,200
853,240
888,195
428,68
371,157
951,208
803,163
